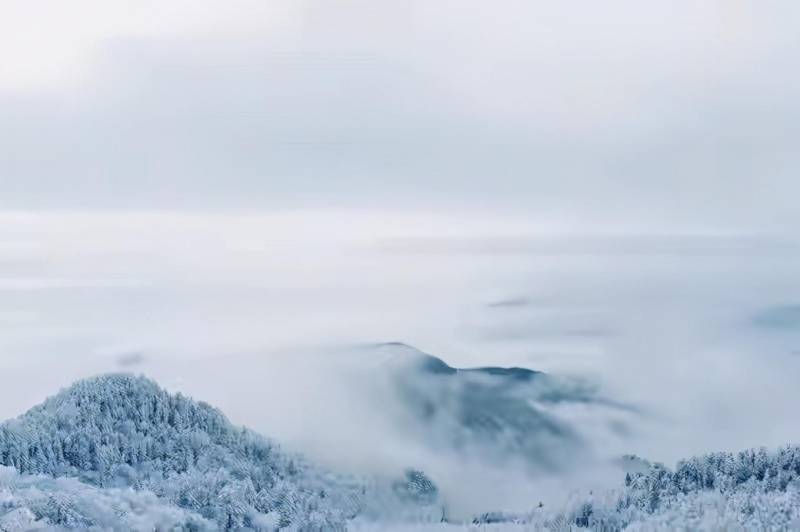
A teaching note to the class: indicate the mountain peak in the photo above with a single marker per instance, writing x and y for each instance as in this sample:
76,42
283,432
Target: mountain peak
122,430
431,364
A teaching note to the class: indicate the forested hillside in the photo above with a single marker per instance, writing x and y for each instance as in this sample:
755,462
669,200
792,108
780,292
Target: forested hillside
118,452
119,431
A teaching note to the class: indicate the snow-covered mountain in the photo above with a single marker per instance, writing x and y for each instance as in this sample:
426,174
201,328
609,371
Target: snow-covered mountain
121,431
117,452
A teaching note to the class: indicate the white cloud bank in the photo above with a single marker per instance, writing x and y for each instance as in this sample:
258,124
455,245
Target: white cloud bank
622,112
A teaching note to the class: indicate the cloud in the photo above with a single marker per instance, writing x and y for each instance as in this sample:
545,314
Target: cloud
629,114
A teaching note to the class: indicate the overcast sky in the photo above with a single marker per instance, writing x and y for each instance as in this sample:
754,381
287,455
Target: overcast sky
673,114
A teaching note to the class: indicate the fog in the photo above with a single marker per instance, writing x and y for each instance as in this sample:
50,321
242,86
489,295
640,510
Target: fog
272,318
243,201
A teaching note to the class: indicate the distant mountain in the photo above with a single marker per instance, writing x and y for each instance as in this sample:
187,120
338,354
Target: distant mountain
494,413
119,431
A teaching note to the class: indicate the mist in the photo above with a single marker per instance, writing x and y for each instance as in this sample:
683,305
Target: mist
272,318
258,204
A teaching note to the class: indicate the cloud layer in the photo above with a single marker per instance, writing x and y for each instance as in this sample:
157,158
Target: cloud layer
674,115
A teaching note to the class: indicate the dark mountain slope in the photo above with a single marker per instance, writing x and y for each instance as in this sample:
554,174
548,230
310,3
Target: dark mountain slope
493,413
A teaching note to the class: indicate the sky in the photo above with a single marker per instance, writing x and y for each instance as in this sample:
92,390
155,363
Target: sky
672,117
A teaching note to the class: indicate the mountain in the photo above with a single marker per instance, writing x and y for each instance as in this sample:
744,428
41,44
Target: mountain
120,431
494,413
117,452
754,489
